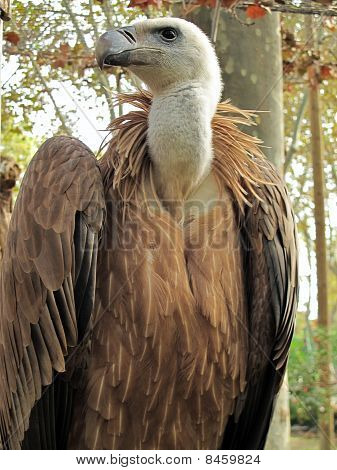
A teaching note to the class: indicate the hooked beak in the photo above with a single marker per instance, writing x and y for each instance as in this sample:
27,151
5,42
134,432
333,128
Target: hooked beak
116,47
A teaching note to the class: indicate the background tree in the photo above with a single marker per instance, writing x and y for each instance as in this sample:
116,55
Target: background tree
50,50
324,364
309,398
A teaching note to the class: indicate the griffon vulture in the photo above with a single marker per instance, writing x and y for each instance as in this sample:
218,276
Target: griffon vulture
148,298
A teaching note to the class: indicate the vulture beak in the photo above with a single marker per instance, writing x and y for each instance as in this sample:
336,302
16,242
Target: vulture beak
117,47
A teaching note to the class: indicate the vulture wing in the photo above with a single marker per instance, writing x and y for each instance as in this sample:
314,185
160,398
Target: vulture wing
47,292
269,242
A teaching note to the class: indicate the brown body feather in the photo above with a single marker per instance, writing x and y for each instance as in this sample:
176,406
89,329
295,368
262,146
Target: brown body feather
170,349
189,315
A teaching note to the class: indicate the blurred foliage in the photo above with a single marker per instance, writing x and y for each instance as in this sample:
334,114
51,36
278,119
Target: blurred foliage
17,140
49,45
305,391
297,57
306,394
304,441
298,151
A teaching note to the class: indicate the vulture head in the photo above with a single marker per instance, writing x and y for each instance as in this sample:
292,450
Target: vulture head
178,64
163,53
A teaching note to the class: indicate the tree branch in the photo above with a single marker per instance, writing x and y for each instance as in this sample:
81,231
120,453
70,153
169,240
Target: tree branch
296,130
215,21
50,94
96,32
104,82
108,17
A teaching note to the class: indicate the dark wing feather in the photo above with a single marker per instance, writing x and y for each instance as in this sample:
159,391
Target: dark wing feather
269,242
47,292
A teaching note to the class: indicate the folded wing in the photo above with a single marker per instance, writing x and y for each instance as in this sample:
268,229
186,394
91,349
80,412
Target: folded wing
47,287
269,243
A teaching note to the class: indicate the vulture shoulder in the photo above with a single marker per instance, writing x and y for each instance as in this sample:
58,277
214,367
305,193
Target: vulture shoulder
47,287
269,240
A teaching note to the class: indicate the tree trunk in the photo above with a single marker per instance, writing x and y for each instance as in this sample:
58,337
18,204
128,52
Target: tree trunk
326,425
279,431
251,63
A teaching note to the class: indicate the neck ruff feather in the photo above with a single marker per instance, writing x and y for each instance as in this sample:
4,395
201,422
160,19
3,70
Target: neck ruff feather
238,161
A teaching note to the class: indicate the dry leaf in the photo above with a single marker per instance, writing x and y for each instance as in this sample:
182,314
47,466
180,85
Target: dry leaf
325,72
12,37
256,11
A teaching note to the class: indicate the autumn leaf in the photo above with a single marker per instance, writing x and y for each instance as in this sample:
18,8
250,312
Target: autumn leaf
256,11
59,63
288,67
12,37
145,3
325,72
331,24
64,48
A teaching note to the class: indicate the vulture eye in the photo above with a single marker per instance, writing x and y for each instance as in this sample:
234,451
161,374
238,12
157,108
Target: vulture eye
168,34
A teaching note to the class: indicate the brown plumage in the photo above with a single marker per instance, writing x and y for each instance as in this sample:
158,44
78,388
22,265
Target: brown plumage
187,343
